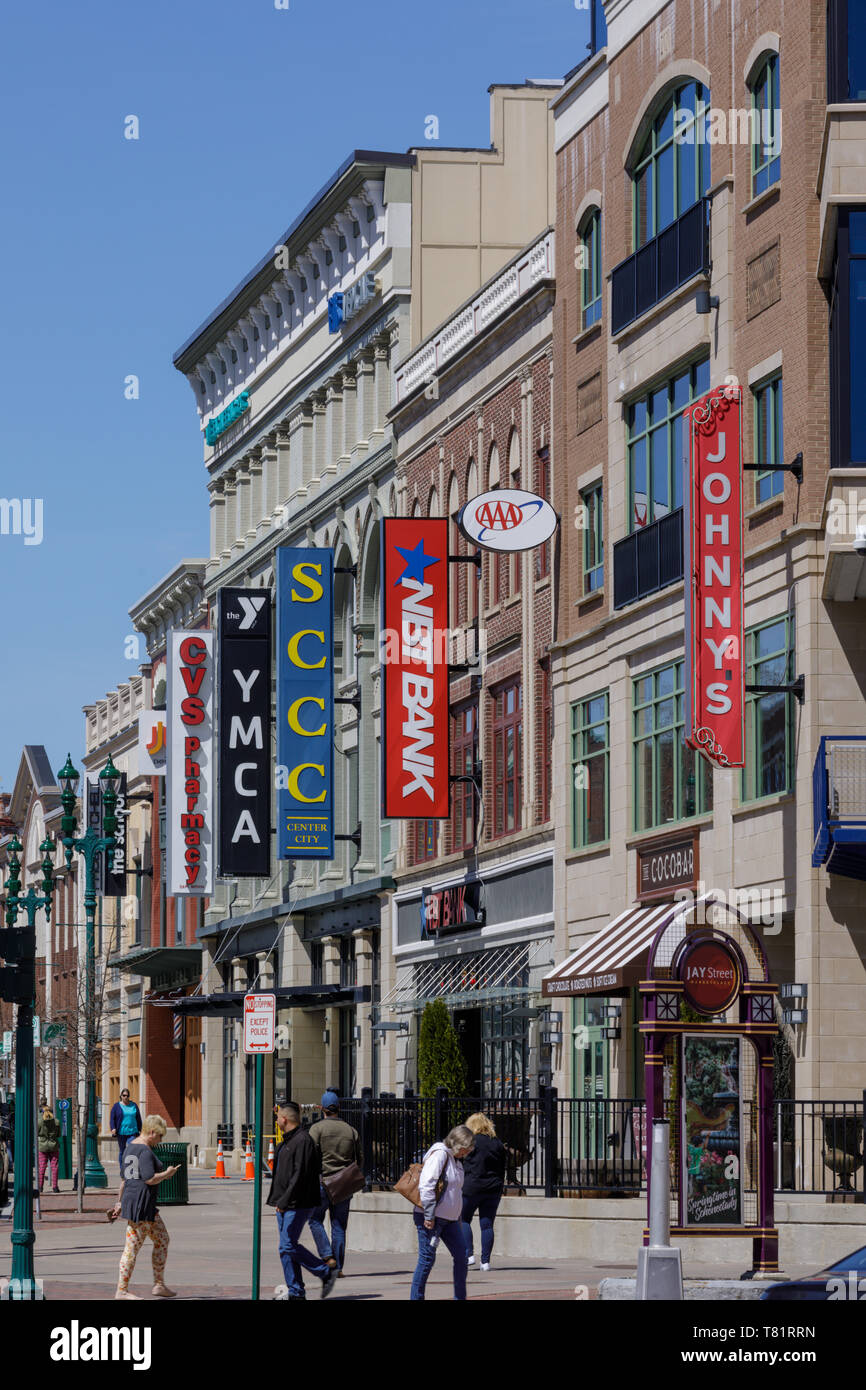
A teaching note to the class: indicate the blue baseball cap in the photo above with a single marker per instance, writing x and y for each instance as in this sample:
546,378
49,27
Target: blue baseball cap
330,1101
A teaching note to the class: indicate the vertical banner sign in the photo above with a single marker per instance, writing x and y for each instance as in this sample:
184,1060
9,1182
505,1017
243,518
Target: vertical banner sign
713,546
189,785
151,742
305,703
94,822
415,738
711,1130
115,869
244,732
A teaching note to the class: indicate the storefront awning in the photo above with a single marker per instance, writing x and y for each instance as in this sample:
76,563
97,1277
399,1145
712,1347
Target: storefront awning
473,978
158,960
230,1003
613,960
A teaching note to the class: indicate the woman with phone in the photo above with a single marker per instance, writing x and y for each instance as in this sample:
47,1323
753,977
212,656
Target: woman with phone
141,1174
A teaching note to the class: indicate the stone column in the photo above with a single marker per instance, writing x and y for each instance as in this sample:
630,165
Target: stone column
365,396
230,523
217,519
282,473
319,435
368,768
382,365
254,504
332,977
333,426
364,974
242,517
267,500
350,415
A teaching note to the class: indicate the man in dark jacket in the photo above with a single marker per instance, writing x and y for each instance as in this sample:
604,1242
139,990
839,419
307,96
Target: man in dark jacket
295,1193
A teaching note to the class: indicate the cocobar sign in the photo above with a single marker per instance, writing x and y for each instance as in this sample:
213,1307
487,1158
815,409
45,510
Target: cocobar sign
507,519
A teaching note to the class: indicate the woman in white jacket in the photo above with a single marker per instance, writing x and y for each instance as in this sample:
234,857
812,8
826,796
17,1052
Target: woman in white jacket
435,1220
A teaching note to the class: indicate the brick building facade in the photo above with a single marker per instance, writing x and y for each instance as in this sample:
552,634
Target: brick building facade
674,184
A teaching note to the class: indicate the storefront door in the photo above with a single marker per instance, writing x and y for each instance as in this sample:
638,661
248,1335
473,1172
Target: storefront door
591,1077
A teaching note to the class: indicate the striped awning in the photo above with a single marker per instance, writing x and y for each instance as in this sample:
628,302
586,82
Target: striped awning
499,972
615,958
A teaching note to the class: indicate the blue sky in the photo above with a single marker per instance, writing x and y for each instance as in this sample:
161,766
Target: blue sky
114,251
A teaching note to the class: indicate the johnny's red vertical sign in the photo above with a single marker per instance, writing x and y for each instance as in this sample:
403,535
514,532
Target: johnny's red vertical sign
713,545
415,738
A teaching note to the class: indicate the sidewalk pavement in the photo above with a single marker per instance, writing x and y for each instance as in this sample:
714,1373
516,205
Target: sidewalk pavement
210,1257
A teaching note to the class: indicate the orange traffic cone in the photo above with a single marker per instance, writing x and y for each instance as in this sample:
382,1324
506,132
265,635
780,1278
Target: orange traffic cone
249,1168
271,1156
220,1163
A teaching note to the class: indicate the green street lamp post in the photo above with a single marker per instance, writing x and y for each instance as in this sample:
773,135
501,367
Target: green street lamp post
22,1284
89,846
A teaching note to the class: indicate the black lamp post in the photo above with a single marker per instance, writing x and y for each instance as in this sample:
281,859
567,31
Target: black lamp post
89,846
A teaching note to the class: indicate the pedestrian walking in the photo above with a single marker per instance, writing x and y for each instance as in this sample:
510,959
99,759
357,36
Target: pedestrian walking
141,1174
295,1193
7,1128
48,1139
125,1123
339,1146
483,1184
438,1217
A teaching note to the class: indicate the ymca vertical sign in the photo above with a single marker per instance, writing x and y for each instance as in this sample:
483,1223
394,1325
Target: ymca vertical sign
189,785
713,546
415,715
305,703
244,621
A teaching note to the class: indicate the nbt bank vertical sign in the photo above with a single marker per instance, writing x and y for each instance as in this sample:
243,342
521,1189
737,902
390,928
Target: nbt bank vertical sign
305,703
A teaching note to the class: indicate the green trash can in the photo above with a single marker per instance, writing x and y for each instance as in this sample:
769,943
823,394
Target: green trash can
174,1192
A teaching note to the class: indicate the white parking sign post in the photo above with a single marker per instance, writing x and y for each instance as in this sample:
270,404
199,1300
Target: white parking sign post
260,1016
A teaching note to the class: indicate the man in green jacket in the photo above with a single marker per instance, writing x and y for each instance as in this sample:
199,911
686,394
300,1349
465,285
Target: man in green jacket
339,1145
48,1136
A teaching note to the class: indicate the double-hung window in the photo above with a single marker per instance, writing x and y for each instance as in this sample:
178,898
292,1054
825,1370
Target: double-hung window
464,745
671,781
769,718
593,538
848,340
507,758
590,274
768,439
655,441
590,771
766,126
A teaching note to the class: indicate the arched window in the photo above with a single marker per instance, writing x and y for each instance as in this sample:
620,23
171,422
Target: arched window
589,239
672,169
494,565
766,129
515,560
472,574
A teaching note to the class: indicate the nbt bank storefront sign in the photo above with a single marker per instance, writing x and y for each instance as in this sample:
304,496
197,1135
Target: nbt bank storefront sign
305,703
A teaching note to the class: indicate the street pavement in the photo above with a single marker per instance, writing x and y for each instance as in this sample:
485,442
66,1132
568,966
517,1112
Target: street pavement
210,1256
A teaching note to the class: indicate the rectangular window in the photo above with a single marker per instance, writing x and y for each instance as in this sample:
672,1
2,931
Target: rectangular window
591,273
546,722
317,963
655,442
464,745
769,718
768,439
542,552
422,840
848,340
507,758
767,134
348,969
590,771
671,782
593,539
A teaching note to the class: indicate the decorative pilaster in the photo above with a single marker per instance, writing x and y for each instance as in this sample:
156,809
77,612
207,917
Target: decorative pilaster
255,504
333,425
365,397
350,415
230,490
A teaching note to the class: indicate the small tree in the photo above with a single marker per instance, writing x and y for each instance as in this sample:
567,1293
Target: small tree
440,1060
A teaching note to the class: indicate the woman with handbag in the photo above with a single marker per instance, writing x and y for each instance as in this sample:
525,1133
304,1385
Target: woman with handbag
340,1151
437,1217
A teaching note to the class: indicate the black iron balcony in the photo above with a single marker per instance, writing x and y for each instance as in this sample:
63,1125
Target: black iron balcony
672,258
649,559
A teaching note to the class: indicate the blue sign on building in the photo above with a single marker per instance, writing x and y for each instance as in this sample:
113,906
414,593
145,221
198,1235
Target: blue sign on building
335,312
305,703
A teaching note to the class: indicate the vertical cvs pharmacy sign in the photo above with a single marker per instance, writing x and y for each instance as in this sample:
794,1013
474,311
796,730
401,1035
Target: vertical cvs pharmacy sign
713,548
305,703
189,790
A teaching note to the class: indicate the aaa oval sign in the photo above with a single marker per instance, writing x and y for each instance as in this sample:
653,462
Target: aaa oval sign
711,976
507,519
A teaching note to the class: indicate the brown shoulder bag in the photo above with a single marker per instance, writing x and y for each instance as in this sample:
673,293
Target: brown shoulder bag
408,1184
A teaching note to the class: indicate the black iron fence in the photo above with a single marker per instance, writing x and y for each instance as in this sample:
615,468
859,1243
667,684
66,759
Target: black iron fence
575,1147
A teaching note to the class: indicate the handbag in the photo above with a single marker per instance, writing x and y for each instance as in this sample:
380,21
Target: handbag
409,1183
344,1183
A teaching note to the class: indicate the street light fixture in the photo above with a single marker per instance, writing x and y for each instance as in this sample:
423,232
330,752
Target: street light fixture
90,845
20,946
